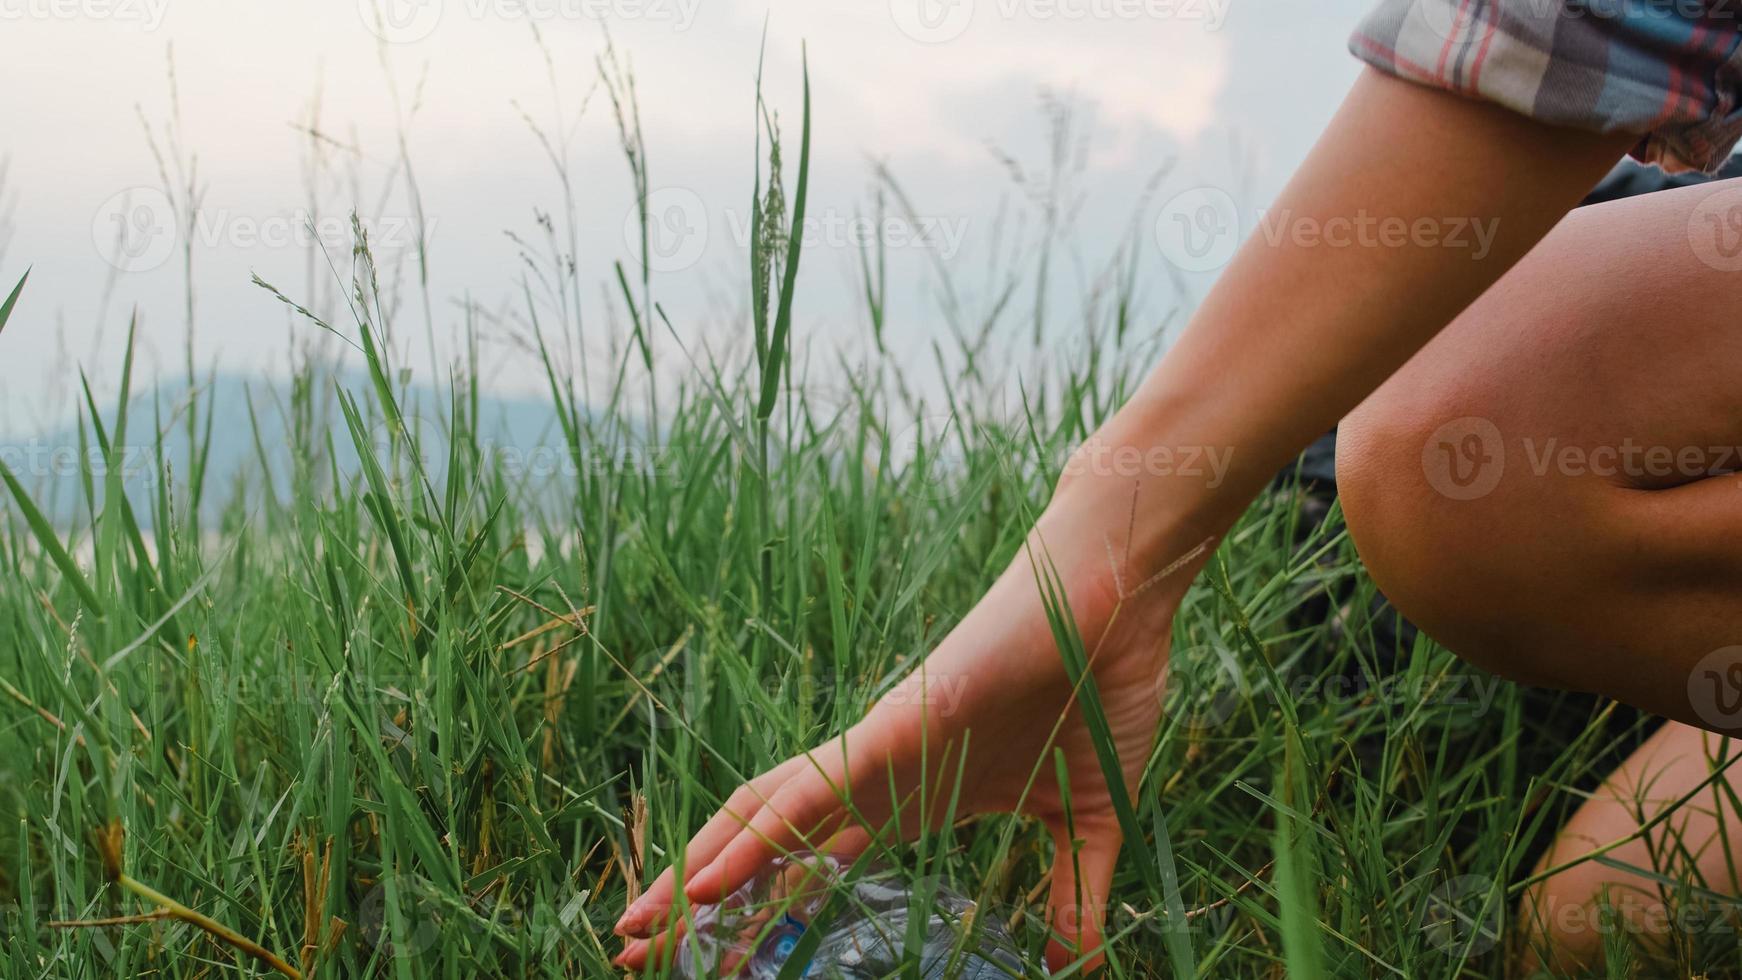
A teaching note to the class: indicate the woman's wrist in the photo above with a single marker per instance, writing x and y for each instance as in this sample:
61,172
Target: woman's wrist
1140,503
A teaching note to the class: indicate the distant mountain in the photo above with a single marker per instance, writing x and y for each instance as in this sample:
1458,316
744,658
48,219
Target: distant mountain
525,431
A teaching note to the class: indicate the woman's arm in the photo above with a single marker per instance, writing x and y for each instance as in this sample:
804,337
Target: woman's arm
1295,334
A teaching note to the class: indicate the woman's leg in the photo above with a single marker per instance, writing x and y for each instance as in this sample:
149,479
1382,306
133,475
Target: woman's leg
1567,917
1549,489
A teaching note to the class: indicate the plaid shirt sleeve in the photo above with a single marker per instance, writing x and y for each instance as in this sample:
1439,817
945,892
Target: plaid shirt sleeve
1668,70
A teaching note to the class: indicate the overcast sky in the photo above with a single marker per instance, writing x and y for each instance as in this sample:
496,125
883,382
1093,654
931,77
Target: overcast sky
1233,91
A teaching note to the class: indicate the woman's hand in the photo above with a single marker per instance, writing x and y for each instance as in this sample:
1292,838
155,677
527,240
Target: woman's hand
1292,337
996,688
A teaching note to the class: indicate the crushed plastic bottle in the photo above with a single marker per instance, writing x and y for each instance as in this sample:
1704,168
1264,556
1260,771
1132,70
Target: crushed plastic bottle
755,931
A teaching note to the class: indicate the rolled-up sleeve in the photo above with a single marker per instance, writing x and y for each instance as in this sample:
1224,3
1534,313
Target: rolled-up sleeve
1667,70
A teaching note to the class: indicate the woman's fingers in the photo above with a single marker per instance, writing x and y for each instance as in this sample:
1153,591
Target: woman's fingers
1077,907
645,912
824,797
798,805
847,844
661,951
648,911
797,818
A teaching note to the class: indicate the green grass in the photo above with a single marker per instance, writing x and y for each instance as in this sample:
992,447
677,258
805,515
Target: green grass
427,716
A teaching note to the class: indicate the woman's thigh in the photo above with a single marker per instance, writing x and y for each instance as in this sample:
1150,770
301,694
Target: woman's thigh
1550,487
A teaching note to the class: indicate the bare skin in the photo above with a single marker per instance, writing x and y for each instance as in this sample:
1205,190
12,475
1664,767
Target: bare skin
1602,558
1293,337
1561,918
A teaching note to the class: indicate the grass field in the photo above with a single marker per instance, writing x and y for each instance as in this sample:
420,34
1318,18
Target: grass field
431,712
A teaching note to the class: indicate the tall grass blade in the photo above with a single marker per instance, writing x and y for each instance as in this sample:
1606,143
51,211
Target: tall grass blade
779,337
12,300
50,543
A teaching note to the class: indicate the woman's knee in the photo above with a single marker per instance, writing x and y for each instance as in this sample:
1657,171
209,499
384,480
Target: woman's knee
1438,531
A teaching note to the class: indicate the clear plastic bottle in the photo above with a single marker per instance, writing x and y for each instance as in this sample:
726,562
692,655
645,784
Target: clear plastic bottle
754,932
